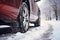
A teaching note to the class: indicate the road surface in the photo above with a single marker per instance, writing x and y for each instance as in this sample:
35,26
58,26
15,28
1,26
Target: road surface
49,30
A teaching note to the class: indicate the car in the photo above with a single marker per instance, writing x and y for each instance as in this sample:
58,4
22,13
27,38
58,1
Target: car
19,13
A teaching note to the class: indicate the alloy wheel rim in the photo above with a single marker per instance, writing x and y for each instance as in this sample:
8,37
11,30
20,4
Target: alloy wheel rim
25,18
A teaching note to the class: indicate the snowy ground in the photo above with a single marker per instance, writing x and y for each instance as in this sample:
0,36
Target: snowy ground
49,30
56,29
32,34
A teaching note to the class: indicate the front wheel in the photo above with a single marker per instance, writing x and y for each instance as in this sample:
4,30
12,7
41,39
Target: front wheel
24,18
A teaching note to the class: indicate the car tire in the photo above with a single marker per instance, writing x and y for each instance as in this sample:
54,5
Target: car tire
37,23
23,18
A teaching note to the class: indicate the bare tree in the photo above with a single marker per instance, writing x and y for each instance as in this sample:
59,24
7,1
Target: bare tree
54,6
55,9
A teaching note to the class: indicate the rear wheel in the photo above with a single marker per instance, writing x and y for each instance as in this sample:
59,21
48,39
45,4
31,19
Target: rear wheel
37,23
24,18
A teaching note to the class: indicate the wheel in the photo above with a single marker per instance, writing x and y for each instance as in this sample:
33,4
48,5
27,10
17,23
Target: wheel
37,23
24,18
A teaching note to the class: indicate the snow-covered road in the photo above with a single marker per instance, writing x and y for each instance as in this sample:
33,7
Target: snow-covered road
50,31
56,31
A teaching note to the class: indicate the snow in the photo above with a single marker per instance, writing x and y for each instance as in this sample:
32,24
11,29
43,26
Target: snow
32,34
47,30
55,28
45,7
56,31
4,26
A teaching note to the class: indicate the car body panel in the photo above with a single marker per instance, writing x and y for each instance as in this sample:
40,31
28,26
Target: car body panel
13,3
8,12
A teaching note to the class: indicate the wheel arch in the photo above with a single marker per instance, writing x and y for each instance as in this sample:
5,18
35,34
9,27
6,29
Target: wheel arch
27,2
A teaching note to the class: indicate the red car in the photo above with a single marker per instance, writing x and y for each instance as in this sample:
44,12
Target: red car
20,13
